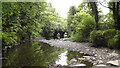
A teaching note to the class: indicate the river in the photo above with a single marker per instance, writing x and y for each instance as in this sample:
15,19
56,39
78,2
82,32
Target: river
34,53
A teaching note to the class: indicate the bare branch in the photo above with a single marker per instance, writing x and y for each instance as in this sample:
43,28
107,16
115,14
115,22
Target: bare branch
105,6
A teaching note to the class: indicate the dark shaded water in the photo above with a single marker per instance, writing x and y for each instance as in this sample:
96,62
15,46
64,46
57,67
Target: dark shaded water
39,54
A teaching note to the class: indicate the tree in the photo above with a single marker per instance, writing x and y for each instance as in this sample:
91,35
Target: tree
71,13
94,8
21,21
116,16
115,8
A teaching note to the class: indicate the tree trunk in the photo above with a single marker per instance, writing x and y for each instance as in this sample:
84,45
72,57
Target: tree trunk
95,12
116,15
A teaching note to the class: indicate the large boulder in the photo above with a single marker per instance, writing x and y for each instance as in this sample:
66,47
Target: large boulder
114,62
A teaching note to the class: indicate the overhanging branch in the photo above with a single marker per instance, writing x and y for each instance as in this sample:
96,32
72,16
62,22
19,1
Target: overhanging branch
105,6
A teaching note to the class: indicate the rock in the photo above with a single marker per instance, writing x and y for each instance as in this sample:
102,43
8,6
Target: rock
93,58
101,65
81,58
88,49
87,57
57,65
95,55
113,54
94,63
100,61
73,60
115,62
79,65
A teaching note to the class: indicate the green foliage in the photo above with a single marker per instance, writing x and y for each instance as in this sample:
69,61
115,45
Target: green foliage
83,25
97,38
21,20
26,20
114,42
106,22
110,38
70,17
110,33
9,38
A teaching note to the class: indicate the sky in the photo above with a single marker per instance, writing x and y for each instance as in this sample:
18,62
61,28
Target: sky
62,6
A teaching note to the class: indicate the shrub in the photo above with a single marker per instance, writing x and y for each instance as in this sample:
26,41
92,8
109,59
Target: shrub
76,37
110,37
110,33
97,38
114,42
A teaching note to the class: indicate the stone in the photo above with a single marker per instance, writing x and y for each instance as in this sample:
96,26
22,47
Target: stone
95,55
88,49
101,65
87,57
72,61
114,62
113,54
81,58
93,58
100,61
79,65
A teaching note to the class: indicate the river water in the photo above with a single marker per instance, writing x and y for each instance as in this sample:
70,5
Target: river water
35,53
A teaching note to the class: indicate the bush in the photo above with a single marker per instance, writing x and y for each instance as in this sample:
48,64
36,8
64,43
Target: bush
110,33
110,37
76,37
97,38
114,42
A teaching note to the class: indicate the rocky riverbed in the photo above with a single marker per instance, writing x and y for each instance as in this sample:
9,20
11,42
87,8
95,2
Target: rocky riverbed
98,56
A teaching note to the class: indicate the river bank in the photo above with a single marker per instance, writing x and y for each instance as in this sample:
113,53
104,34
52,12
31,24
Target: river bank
98,56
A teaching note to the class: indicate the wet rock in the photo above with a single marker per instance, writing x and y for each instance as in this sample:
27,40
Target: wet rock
115,62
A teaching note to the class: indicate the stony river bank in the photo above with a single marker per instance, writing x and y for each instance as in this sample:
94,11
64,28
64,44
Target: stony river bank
98,56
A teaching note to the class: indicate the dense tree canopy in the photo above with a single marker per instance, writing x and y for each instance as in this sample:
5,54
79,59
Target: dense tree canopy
26,20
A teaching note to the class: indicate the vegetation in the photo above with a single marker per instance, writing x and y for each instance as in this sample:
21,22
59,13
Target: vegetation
21,21
83,25
87,23
110,38
27,20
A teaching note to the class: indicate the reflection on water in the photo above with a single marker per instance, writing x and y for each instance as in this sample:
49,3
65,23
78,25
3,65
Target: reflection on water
38,54
62,59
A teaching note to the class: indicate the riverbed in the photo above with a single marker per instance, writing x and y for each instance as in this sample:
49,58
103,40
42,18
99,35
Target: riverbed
98,56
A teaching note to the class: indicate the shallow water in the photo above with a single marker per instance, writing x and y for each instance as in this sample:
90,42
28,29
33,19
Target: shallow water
35,53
